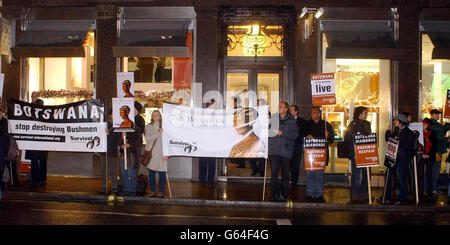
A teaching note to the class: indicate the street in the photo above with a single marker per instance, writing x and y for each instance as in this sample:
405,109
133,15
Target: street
23,212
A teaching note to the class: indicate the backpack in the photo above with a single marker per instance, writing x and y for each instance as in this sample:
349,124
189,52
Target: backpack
13,150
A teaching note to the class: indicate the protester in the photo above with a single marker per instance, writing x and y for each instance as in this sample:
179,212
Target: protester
110,158
315,128
442,143
38,162
298,148
427,159
153,136
4,143
236,106
207,165
133,144
13,152
281,147
359,125
257,165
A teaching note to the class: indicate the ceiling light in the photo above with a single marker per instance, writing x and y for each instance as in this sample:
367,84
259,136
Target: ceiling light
304,11
319,13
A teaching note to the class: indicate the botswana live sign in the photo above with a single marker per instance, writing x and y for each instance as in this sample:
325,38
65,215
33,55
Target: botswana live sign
322,88
366,150
315,153
78,126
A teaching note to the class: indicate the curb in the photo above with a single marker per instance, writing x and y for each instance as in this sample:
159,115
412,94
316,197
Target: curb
76,197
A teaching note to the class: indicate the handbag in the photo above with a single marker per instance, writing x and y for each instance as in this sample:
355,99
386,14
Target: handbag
147,156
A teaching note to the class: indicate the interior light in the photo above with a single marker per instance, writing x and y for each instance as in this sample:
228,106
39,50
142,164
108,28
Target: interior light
255,29
319,13
304,11
92,51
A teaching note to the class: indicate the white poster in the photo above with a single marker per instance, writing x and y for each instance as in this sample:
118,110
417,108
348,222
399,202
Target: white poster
417,126
78,126
197,132
123,114
322,89
125,84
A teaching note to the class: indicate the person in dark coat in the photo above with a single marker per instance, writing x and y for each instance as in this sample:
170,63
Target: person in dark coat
4,145
298,148
207,165
281,147
111,154
315,128
38,162
359,125
426,160
133,146
406,151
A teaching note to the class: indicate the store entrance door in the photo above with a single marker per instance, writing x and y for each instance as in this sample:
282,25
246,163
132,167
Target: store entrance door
249,88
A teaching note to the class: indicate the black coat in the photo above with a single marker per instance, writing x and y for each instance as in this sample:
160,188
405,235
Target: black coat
134,139
354,128
301,124
407,146
317,130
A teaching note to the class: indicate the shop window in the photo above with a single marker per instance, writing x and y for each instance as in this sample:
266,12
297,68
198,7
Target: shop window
62,80
435,83
358,82
255,40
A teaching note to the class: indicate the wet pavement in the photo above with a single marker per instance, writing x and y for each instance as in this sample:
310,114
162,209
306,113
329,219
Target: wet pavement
20,212
192,190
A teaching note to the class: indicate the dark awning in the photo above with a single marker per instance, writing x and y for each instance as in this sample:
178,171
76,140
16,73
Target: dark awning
362,39
153,37
53,38
439,33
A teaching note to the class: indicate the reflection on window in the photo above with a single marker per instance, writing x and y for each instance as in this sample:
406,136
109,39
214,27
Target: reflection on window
435,79
151,70
251,40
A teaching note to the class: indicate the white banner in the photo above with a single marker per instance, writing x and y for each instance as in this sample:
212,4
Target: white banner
78,126
197,132
2,83
417,126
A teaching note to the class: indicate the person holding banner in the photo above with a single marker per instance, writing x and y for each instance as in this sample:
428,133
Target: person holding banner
427,159
442,144
133,144
281,147
359,125
315,128
157,165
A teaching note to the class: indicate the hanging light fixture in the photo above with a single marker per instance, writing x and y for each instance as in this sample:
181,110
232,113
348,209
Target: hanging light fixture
308,24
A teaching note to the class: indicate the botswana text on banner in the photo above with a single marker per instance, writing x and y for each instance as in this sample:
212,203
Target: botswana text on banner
315,153
322,89
366,150
78,126
197,132
391,152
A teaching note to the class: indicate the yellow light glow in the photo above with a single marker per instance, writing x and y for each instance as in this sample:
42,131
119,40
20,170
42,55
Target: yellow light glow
254,30
92,51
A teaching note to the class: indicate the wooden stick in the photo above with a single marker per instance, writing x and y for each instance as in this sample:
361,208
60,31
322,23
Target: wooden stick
368,185
265,173
167,177
125,150
385,185
415,180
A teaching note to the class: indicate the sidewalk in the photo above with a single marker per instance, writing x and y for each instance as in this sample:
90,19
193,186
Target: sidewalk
245,195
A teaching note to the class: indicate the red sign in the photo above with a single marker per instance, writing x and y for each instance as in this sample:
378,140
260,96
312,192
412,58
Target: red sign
366,150
315,153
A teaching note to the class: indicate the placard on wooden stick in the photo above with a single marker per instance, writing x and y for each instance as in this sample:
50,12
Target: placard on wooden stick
322,89
315,153
366,150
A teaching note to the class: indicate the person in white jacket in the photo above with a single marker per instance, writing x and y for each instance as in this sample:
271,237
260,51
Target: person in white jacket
153,136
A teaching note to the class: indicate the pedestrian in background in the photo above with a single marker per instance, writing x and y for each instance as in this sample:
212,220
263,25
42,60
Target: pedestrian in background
157,165
298,148
442,144
281,147
358,126
111,155
427,160
315,128
38,162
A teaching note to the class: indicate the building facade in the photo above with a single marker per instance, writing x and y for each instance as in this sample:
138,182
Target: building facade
391,56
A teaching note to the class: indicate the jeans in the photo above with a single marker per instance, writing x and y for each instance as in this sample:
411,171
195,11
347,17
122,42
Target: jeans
295,164
128,178
206,167
436,171
112,172
38,170
15,175
258,166
314,183
424,176
279,162
152,180
359,182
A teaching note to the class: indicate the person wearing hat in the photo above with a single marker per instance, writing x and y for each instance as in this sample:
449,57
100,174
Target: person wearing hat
406,150
442,144
133,146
